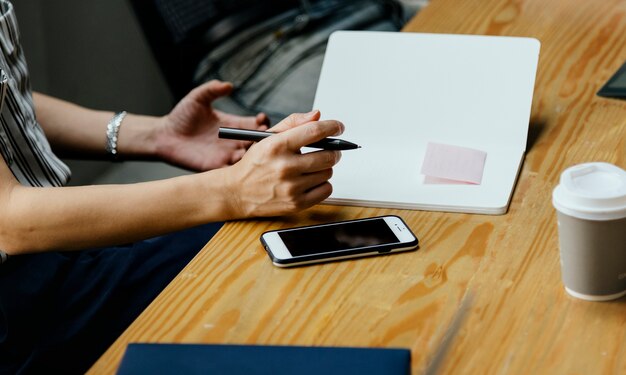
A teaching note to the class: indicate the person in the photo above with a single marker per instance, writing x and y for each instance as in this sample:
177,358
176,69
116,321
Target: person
271,51
80,263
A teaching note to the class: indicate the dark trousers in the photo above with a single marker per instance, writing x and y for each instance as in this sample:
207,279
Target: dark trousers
60,311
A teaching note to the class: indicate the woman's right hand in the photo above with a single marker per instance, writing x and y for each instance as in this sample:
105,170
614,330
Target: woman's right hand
274,178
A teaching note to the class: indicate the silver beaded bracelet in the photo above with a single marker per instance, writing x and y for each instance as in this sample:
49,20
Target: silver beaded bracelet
113,129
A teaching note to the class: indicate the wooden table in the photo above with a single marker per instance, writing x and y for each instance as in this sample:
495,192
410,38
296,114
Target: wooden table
520,321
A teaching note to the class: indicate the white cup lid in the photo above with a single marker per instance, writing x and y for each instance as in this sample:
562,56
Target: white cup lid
593,191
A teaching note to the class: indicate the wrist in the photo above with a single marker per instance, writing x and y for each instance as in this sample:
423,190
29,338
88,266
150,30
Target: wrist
136,138
226,185
205,197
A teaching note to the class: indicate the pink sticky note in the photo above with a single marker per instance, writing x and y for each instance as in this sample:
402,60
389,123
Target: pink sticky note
453,164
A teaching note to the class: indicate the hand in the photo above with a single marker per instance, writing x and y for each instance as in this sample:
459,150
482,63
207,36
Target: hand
274,178
187,136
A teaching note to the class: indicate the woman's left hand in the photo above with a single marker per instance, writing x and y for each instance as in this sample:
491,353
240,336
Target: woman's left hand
188,135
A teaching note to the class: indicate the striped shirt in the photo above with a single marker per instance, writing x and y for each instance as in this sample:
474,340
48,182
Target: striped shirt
23,144
22,141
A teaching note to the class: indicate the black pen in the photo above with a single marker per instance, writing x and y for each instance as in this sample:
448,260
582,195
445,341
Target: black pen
255,135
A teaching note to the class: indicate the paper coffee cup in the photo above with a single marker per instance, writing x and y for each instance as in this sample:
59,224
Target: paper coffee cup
591,212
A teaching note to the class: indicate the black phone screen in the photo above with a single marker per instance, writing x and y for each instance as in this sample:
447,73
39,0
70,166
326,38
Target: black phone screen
616,86
341,236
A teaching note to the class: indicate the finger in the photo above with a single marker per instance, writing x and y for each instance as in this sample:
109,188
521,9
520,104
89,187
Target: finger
316,194
306,188
208,92
242,122
263,120
318,161
311,180
296,119
311,132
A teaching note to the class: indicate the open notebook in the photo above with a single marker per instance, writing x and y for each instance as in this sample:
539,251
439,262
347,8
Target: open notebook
401,94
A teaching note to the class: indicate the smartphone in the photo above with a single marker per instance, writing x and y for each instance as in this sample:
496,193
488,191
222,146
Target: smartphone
340,240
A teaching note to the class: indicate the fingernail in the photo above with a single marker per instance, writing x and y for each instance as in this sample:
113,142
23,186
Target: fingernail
343,127
312,113
337,156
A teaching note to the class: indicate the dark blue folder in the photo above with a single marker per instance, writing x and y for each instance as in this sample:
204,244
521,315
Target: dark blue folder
183,359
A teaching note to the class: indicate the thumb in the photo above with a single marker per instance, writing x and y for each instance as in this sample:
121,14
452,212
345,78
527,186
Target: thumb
208,92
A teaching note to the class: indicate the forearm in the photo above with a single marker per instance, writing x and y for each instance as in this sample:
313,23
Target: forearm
75,131
73,218
273,178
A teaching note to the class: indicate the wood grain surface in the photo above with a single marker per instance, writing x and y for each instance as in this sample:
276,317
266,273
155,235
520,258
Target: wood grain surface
520,320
